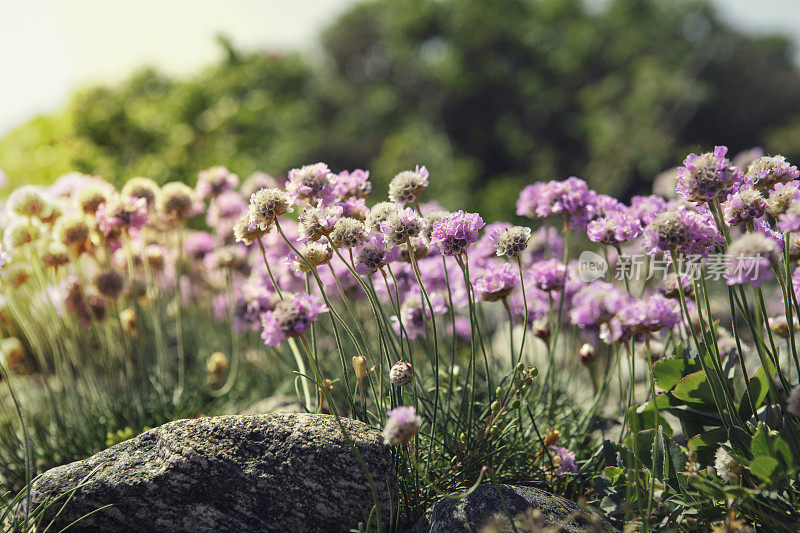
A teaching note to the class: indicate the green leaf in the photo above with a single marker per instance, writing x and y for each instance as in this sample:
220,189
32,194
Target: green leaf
669,372
784,454
759,386
765,468
708,439
694,389
643,417
613,473
761,445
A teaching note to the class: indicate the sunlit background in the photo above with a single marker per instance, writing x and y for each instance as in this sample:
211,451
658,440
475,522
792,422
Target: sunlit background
384,85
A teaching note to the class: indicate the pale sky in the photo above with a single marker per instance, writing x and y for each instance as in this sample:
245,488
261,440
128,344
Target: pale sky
48,48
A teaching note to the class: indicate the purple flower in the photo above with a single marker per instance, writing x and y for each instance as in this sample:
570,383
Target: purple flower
614,228
498,282
570,197
597,303
401,225
402,424
707,177
353,207
311,182
565,460
316,222
766,171
290,318
547,275
487,244
641,316
744,205
121,212
199,244
225,209
750,258
454,233
215,181
689,232
353,184
373,255
645,208
782,196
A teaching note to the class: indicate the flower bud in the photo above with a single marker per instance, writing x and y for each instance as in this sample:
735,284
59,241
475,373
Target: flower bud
402,373
552,437
587,354
360,367
496,406
541,328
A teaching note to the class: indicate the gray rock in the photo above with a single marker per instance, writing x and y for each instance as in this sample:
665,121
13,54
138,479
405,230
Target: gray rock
533,509
271,472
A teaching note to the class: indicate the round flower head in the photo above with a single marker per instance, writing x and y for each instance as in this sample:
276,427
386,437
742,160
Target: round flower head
215,181
317,222
614,229
19,232
793,404
587,354
142,188
311,182
726,466
408,185
266,205
121,213
313,254
548,275
353,184
354,208
432,218
456,232
231,257
90,198
497,283
257,180
512,241
73,231
52,254
372,255
782,197
175,201
16,272
109,283
401,426
347,233
565,460
401,373
402,225
26,201
750,258
290,318
707,177
766,171
570,197
645,208
681,230
53,210
597,303
379,213
528,203
743,206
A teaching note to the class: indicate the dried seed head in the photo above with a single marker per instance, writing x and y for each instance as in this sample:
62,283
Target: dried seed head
268,204
347,233
142,188
175,201
408,185
512,241
402,373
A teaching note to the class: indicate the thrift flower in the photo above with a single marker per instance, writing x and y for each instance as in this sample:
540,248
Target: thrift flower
408,185
353,184
751,257
142,188
89,198
257,180
743,206
681,230
456,232
401,225
547,275
214,181
766,171
726,466
317,222
290,318
706,177
121,213
373,255
498,282
312,253
311,182
266,205
565,460
782,197
26,201
176,201
401,373
511,241
401,426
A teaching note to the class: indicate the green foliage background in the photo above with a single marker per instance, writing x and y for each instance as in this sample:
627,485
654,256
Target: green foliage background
489,95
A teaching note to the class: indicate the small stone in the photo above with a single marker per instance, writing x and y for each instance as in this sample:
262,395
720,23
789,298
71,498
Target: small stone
532,508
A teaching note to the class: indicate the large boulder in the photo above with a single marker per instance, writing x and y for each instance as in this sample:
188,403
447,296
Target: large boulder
270,472
533,510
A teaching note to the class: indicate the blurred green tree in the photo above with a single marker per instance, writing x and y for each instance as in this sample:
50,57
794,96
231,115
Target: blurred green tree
489,95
